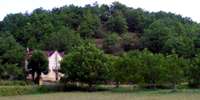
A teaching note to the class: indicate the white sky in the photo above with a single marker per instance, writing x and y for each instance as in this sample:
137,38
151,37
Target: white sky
189,8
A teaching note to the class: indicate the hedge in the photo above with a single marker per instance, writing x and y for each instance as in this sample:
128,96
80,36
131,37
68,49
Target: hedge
28,89
14,82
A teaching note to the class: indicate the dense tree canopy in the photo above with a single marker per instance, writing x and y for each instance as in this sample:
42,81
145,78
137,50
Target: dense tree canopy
11,56
194,72
148,69
155,30
37,64
117,23
111,43
86,64
90,24
62,40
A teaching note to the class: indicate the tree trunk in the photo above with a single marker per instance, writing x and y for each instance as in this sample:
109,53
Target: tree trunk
154,86
117,84
153,83
33,76
37,80
56,75
91,87
174,87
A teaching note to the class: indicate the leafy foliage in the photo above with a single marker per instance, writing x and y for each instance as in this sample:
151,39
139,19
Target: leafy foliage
37,63
90,24
63,40
194,73
117,23
144,67
85,64
11,55
111,43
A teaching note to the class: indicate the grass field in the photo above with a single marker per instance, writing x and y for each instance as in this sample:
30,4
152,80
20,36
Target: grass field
143,95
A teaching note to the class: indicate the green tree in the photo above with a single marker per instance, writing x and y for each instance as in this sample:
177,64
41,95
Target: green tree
196,39
90,24
37,64
11,56
14,22
130,41
69,16
155,36
194,72
86,64
62,40
182,45
117,23
11,72
126,68
151,67
119,72
173,70
104,11
118,7
111,43
135,20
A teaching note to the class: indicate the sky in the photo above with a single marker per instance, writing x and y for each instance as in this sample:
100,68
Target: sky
186,8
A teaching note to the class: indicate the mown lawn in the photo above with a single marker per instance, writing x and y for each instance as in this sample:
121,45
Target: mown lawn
142,95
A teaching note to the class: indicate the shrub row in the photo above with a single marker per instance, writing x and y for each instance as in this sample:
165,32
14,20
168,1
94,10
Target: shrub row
87,64
14,82
21,90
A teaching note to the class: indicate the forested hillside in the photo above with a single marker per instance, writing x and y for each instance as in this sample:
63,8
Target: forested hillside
114,28
129,28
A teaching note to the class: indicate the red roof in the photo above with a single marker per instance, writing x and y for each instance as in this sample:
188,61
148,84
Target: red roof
47,53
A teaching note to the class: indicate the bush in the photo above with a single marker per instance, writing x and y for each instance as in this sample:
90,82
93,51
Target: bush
21,90
86,64
16,90
16,82
149,70
194,73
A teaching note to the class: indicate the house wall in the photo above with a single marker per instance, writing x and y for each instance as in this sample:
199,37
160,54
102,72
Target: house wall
54,61
54,64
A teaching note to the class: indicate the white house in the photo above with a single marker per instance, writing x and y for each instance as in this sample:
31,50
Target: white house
54,59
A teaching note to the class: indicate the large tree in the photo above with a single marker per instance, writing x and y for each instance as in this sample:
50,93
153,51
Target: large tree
112,44
85,64
155,36
151,67
89,25
117,23
62,40
194,72
135,20
130,41
37,64
173,70
11,57
181,45
126,68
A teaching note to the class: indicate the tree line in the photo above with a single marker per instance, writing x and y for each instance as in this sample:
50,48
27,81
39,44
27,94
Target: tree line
128,35
88,64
